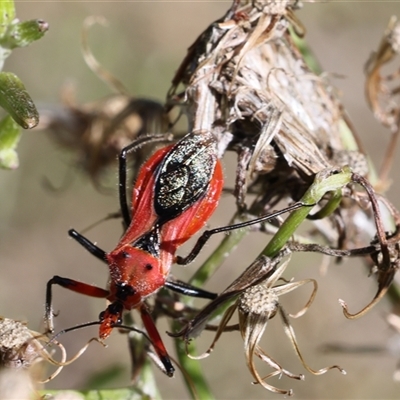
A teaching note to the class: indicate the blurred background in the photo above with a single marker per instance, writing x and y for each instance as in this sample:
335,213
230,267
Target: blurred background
143,46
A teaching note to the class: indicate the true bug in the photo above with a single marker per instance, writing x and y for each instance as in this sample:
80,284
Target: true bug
176,192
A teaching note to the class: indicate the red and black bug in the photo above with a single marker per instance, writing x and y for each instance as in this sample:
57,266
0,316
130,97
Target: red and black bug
176,192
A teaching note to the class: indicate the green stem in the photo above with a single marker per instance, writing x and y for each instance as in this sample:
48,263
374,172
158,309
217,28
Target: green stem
332,204
325,181
193,376
193,373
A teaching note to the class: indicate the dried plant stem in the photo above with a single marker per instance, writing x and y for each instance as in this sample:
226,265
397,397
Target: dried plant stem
330,180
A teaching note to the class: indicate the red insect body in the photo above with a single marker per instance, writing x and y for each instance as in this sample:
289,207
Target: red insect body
176,192
143,215
138,268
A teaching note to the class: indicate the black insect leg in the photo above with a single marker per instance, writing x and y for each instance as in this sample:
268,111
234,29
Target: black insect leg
189,290
88,245
207,234
125,210
71,284
76,286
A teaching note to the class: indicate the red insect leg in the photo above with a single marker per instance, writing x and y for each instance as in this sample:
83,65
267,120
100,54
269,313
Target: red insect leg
75,286
79,287
156,340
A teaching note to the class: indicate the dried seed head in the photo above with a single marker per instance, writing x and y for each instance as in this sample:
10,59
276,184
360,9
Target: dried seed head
259,300
356,160
23,350
381,87
98,131
394,37
17,344
256,306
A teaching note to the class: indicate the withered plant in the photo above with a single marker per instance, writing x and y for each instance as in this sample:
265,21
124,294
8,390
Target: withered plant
248,82
98,131
245,79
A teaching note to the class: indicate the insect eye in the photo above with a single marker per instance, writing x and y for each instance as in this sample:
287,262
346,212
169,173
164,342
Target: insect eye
101,316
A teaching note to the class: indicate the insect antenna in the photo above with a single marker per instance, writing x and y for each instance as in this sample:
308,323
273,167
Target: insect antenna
74,328
92,323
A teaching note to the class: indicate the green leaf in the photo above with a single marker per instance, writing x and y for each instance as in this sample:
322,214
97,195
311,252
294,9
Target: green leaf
16,101
10,133
7,15
20,34
114,394
105,377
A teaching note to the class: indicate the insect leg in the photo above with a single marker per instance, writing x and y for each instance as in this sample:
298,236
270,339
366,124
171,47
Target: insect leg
189,290
76,286
126,215
207,234
156,341
88,245
159,355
